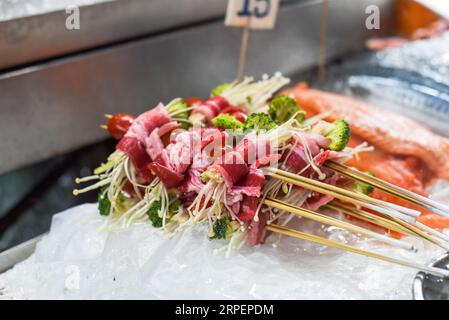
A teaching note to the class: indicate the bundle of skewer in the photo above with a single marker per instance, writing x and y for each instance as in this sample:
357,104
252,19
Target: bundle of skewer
383,214
388,216
376,212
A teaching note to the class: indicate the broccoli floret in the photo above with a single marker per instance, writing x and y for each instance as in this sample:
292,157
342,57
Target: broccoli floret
222,229
282,108
226,121
363,187
153,214
155,208
218,90
104,205
179,109
259,121
339,135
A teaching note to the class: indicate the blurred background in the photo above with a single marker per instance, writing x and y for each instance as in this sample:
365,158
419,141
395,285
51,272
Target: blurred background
128,55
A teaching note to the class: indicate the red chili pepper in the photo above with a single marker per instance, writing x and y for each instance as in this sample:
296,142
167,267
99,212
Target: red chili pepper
194,100
237,112
232,109
119,124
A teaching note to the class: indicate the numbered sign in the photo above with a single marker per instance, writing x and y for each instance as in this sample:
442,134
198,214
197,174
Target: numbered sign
255,14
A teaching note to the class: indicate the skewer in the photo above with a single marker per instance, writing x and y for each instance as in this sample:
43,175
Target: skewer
108,116
412,229
417,231
369,217
345,192
336,223
326,242
407,222
342,194
390,188
103,126
433,232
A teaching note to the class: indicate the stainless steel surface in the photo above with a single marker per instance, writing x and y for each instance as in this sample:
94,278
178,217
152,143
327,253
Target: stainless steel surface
42,36
17,254
428,287
51,108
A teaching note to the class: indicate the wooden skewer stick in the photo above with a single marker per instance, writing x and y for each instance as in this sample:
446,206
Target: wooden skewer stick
433,232
347,193
108,116
412,229
337,223
336,192
417,231
323,40
103,126
342,194
369,217
390,188
243,49
326,242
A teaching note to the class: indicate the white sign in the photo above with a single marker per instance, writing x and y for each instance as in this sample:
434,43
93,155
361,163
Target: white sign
256,14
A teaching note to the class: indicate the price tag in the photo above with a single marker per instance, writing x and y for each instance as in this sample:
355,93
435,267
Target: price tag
253,14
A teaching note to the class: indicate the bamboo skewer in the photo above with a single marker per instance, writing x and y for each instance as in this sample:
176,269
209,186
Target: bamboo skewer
419,232
337,223
393,225
385,186
326,242
433,232
345,192
369,217
352,197
338,193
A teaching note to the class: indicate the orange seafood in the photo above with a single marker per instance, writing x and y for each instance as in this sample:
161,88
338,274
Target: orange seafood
406,153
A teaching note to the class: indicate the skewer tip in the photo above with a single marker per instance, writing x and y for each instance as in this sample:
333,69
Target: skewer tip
103,126
108,116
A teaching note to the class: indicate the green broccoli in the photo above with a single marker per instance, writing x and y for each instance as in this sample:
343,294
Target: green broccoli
259,121
363,187
218,90
104,205
179,110
282,108
155,208
153,214
222,229
339,135
226,121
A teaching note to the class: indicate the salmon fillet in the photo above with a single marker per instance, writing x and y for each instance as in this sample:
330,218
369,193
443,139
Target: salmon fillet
390,132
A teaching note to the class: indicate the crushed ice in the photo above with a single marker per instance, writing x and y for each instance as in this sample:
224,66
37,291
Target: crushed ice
78,261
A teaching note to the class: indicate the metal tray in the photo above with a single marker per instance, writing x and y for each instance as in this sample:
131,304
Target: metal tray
12,256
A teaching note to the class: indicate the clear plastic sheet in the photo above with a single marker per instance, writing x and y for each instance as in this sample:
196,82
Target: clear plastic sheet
79,261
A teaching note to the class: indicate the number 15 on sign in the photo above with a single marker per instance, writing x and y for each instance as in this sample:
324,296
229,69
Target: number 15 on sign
253,14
